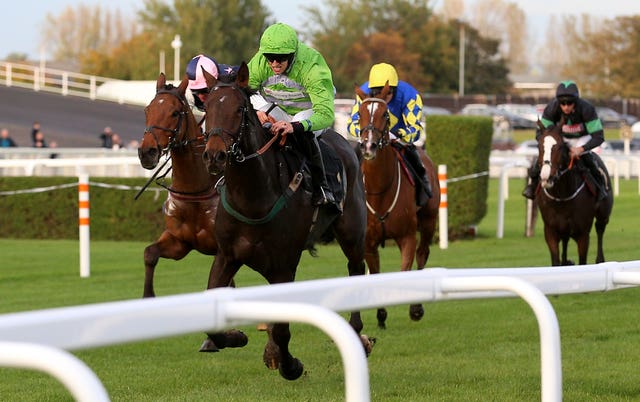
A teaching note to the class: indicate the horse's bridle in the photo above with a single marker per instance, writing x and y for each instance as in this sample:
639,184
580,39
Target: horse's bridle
233,149
173,141
383,139
560,171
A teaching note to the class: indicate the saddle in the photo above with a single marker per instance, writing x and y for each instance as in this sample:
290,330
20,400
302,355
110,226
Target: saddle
296,161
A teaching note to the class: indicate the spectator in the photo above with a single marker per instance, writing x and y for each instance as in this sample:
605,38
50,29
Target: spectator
5,140
38,140
35,127
116,143
107,137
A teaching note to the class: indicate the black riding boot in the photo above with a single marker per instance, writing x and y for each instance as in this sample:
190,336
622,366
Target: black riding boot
322,194
423,186
590,163
534,178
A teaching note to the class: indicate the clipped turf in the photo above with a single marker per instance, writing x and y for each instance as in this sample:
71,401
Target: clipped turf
471,350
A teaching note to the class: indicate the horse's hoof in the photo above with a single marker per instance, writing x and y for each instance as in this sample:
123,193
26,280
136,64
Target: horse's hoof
416,312
208,346
235,339
367,343
296,370
381,315
271,356
569,263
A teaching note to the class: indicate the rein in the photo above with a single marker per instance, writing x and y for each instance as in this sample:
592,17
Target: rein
234,151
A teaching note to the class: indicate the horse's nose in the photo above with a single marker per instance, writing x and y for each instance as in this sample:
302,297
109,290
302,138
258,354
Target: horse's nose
214,160
368,149
149,157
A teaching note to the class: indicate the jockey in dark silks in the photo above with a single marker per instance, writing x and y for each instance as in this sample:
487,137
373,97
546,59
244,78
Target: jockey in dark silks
582,130
405,113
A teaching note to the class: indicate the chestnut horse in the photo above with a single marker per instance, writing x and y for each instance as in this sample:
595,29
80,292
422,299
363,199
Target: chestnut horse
267,218
390,195
568,202
190,208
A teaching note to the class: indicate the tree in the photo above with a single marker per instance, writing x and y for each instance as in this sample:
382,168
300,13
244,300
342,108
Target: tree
423,47
506,22
98,42
76,31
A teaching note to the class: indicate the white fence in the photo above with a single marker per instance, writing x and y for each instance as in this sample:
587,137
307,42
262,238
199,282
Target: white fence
97,162
41,78
24,335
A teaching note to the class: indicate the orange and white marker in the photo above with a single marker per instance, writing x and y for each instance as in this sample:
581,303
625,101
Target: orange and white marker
83,213
444,207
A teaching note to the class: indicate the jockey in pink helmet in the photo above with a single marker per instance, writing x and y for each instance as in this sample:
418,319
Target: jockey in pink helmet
197,82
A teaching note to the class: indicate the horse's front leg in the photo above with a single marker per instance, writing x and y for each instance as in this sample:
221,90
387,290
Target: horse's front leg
552,242
276,353
167,246
600,227
372,257
407,246
565,245
583,248
221,275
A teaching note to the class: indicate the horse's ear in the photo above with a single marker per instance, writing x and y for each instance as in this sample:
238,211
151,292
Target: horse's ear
385,90
162,80
540,125
242,80
360,92
182,88
210,79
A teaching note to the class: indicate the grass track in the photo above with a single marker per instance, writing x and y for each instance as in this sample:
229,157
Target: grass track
472,350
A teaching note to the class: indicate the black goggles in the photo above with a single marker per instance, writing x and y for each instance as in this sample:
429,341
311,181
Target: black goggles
271,57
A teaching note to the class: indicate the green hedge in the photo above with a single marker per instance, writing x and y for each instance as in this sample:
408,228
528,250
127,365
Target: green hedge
463,143
53,214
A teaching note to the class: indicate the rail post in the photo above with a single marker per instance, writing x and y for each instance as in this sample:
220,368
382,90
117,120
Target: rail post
83,222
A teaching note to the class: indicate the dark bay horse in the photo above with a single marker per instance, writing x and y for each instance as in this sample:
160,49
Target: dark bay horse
567,200
390,196
192,202
267,219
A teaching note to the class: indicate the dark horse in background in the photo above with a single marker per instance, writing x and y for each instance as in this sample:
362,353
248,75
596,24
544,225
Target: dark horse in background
390,196
267,218
192,202
567,200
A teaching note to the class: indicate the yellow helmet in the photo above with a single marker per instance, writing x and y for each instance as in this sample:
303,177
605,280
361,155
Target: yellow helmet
381,73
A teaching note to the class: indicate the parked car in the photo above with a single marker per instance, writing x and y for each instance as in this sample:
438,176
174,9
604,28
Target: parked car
609,117
480,109
435,110
523,110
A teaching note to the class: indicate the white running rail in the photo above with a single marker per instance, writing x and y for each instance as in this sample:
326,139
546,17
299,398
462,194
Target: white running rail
315,302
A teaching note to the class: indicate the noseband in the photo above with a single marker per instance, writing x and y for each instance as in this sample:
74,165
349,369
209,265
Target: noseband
371,128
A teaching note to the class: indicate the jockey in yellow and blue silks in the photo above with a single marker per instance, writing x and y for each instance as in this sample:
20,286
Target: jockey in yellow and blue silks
296,78
404,104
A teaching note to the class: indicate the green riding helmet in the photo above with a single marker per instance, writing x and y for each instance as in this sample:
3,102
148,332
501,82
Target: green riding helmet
279,39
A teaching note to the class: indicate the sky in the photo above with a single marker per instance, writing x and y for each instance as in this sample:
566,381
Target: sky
21,22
